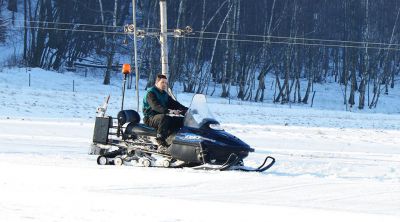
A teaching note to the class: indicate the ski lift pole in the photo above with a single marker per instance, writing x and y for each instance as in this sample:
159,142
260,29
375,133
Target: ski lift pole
126,69
135,52
164,43
163,38
131,28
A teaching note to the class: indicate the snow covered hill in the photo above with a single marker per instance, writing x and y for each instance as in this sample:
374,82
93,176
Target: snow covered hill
331,165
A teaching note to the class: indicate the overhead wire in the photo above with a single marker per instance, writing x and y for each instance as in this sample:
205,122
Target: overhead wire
296,43
80,24
296,38
269,37
289,40
301,38
72,30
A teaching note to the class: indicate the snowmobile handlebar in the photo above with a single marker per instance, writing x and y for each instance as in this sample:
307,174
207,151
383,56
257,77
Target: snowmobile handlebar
175,112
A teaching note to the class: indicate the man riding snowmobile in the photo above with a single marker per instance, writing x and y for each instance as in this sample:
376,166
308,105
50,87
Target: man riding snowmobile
199,143
162,112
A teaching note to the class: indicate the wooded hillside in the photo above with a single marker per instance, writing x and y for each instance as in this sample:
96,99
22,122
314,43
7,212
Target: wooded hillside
235,43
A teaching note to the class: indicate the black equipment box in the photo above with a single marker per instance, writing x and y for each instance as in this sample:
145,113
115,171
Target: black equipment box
101,129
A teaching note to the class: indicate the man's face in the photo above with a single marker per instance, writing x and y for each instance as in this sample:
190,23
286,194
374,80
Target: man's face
162,84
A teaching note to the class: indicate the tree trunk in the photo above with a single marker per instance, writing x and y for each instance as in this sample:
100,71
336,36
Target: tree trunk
364,74
110,54
308,90
386,63
352,89
39,45
25,30
224,78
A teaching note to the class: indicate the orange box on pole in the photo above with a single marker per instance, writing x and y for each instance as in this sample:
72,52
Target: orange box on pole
126,69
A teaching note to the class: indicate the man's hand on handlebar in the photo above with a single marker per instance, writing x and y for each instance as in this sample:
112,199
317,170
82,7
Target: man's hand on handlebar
175,112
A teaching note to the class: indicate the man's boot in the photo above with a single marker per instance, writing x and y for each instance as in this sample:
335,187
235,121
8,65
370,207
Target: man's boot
162,144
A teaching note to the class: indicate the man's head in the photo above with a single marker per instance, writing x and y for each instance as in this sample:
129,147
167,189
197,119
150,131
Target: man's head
161,82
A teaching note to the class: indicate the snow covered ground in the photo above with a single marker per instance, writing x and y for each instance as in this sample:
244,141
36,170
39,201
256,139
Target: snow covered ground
331,164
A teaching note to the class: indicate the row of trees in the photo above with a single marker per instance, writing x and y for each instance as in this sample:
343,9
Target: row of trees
58,33
239,42
235,44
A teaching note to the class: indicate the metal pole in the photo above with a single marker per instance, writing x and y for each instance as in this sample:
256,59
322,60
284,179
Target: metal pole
123,92
164,43
135,51
163,38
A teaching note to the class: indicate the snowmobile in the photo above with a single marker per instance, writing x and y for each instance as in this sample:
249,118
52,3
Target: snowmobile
200,144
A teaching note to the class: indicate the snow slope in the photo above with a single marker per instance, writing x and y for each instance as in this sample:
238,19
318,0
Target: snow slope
331,165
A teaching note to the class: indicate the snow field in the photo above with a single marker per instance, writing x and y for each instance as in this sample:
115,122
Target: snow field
331,165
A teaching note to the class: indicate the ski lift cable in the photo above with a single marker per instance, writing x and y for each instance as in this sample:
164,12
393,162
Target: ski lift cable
390,46
299,43
80,24
69,23
296,38
72,30
299,38
234,34
269,37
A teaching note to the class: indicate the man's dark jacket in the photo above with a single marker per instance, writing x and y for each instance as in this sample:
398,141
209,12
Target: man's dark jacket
159,102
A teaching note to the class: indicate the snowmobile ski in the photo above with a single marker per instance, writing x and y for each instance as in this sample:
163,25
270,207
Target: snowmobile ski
263,167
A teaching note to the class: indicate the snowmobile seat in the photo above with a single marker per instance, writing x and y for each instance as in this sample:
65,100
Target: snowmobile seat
133,129
128,116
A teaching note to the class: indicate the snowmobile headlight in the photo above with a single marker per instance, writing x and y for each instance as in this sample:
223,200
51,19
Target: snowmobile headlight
215,127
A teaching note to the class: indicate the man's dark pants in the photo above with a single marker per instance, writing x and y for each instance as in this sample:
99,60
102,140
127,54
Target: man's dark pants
164,124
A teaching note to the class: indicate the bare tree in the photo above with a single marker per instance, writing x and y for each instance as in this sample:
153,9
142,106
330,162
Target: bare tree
365,58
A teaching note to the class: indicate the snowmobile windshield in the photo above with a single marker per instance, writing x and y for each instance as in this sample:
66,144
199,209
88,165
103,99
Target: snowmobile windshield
199,116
